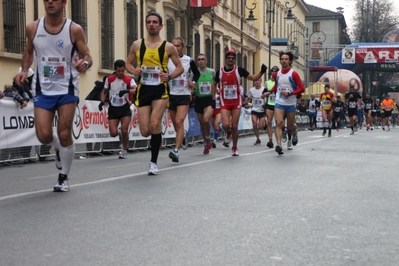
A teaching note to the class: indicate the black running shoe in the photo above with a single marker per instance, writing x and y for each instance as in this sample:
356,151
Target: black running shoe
57,159
295,139
279,149
270,145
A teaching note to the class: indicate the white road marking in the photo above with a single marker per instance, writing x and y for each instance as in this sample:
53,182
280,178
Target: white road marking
110,179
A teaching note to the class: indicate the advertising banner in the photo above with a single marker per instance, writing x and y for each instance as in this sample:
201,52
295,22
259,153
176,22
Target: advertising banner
377,55
17,126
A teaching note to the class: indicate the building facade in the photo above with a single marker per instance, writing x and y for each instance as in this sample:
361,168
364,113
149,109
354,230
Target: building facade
333,26
112,25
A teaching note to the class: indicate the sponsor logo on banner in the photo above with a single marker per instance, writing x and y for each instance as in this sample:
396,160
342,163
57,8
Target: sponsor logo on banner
348,56
377,55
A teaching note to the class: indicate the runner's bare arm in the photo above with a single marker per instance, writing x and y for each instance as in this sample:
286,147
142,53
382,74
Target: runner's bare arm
252,77
27,57
79,39
174,56
214,89
131,59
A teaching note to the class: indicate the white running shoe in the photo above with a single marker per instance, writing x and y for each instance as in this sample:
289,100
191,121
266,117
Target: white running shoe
62,184
123,154
289,146
153,169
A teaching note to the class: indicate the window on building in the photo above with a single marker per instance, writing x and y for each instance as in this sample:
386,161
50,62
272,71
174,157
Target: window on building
79,13
170,29
217,55
197,44
107,34
14,23
208,52
238,6
131,24
35,10
316,26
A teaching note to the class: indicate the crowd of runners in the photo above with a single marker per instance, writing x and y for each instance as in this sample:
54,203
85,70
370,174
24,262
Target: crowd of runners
166,78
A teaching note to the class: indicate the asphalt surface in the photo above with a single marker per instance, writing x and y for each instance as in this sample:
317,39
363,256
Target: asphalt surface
330,201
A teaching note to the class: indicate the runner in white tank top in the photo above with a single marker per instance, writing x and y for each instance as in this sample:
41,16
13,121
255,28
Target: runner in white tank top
180,96
288,85
53,42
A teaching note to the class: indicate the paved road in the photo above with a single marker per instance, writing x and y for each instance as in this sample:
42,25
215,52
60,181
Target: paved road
330,201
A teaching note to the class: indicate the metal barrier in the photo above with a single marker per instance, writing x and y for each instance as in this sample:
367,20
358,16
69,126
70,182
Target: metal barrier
17,155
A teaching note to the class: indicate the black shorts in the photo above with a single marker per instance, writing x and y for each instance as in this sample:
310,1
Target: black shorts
119,112
201,103
258,114
374,114
270,107
366,111
146,94
352,112
387,114
176,100
336,116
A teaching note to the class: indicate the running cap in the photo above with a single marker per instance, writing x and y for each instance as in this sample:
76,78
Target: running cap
231,52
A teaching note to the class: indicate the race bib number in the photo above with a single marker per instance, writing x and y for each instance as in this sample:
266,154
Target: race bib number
352,104
368,105
272,98
151,75
337,109
53,70
217,105
117,101
204,88
178,84
257,102
326,103
388,108
230,92
312,108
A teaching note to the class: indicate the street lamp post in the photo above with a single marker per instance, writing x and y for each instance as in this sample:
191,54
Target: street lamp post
296,50
290,17
321,38
251,18
327,58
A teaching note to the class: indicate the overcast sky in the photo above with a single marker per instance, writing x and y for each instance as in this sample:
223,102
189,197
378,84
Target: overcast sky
332,5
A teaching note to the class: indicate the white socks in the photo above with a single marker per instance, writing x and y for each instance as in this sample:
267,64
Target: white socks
66,155
55,142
